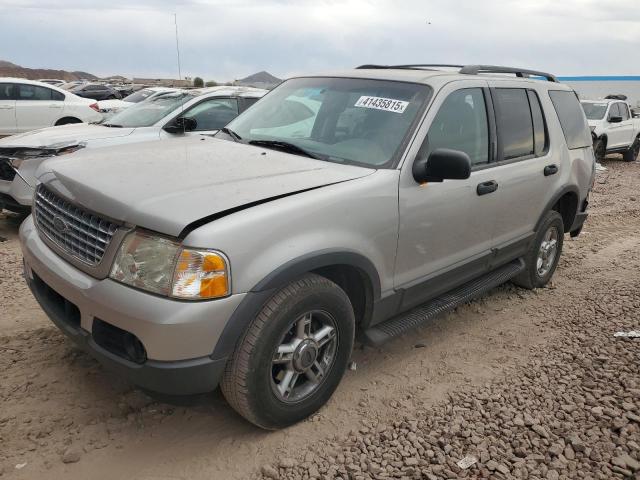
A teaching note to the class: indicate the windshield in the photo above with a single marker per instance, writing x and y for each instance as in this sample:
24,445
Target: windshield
139,95
594,111
148,112
349,120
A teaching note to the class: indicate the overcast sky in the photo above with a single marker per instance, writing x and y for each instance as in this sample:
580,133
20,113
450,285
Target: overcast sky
224,39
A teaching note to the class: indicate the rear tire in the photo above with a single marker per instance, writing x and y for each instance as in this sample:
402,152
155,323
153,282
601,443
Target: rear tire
544,253
632,154
284,368
68,121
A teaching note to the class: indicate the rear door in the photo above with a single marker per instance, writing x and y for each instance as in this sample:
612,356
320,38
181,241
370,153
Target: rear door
525,166
446,228
7,109
37,106
626,126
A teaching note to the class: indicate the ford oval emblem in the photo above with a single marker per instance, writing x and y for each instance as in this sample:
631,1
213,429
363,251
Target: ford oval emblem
59,224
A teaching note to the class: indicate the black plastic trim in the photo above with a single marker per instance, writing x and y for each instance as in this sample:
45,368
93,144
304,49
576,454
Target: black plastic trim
182,377
554,200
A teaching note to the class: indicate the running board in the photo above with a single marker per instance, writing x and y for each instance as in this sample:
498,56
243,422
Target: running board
398,325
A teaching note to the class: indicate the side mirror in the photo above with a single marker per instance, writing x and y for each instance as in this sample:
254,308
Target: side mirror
442,164
615,119
181,124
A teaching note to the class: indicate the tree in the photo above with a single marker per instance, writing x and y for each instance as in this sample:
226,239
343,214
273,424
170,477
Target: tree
211,83
198,82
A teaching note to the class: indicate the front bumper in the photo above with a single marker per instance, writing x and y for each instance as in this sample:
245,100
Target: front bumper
16,195
178,337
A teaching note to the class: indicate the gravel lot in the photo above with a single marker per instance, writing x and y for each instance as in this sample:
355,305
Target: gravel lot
528,384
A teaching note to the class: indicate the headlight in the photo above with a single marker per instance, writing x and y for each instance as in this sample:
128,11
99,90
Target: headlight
161,265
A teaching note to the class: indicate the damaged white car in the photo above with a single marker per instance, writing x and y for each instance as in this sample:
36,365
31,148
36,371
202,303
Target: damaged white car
185,112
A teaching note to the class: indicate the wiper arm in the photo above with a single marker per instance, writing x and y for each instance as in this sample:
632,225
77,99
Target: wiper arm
232,134
111,125
285,146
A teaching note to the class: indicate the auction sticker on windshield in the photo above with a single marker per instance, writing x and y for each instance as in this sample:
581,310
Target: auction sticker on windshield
379,103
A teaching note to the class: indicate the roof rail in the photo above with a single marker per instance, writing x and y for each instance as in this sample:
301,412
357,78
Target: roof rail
519,72
468,69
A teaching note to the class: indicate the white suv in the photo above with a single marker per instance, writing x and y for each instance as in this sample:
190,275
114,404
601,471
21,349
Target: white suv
27,105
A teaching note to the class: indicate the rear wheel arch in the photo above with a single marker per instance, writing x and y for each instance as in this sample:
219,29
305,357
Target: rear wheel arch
67,121
566,204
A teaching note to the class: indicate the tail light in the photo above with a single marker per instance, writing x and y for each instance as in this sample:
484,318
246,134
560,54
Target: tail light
95,107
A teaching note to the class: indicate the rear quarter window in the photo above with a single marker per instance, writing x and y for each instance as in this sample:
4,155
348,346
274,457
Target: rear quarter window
572,118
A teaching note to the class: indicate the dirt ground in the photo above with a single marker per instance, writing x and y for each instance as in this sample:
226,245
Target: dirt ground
532,384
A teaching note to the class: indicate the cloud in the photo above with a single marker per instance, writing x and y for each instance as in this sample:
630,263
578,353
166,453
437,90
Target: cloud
223,40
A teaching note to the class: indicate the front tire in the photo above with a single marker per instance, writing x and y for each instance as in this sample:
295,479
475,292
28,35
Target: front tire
632,154
293,355
600,150
544,253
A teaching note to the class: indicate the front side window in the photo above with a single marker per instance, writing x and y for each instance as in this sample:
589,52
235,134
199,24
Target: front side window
514,123
213,114
345,120
461,124
624,111
594,111
614,111
147,113
6,90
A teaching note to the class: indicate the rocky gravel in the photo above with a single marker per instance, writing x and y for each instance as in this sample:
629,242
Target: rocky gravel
516,384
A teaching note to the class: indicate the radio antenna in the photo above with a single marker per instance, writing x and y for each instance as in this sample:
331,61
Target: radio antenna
175,20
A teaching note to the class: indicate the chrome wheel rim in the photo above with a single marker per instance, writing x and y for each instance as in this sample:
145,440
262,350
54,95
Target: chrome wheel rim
547,252
304,356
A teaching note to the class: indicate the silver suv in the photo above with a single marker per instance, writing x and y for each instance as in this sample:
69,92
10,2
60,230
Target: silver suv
364,201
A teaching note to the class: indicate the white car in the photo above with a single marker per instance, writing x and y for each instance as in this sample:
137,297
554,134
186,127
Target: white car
109,107
613,128
28,105
53,81
168,115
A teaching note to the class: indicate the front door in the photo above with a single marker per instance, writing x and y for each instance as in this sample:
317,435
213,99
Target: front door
446,229
37,107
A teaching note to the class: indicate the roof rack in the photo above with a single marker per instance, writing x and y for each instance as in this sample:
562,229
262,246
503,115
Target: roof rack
469,69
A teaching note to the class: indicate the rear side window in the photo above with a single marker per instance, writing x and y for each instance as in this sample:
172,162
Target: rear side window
513,119
540,142
572,119
36,92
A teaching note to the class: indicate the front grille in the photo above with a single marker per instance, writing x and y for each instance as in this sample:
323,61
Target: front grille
6,170
83,235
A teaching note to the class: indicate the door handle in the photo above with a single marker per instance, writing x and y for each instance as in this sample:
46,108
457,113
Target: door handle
550,170
487,187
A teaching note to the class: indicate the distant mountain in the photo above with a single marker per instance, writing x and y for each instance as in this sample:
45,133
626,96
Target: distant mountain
8,69
260,79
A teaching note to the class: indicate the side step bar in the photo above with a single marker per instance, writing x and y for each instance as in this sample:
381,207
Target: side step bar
398,325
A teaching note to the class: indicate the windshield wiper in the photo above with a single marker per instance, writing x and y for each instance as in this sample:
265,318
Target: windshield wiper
285,146
111,125
232,134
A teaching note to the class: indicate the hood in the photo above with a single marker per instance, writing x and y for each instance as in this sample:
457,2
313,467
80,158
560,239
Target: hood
62,136
167,186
